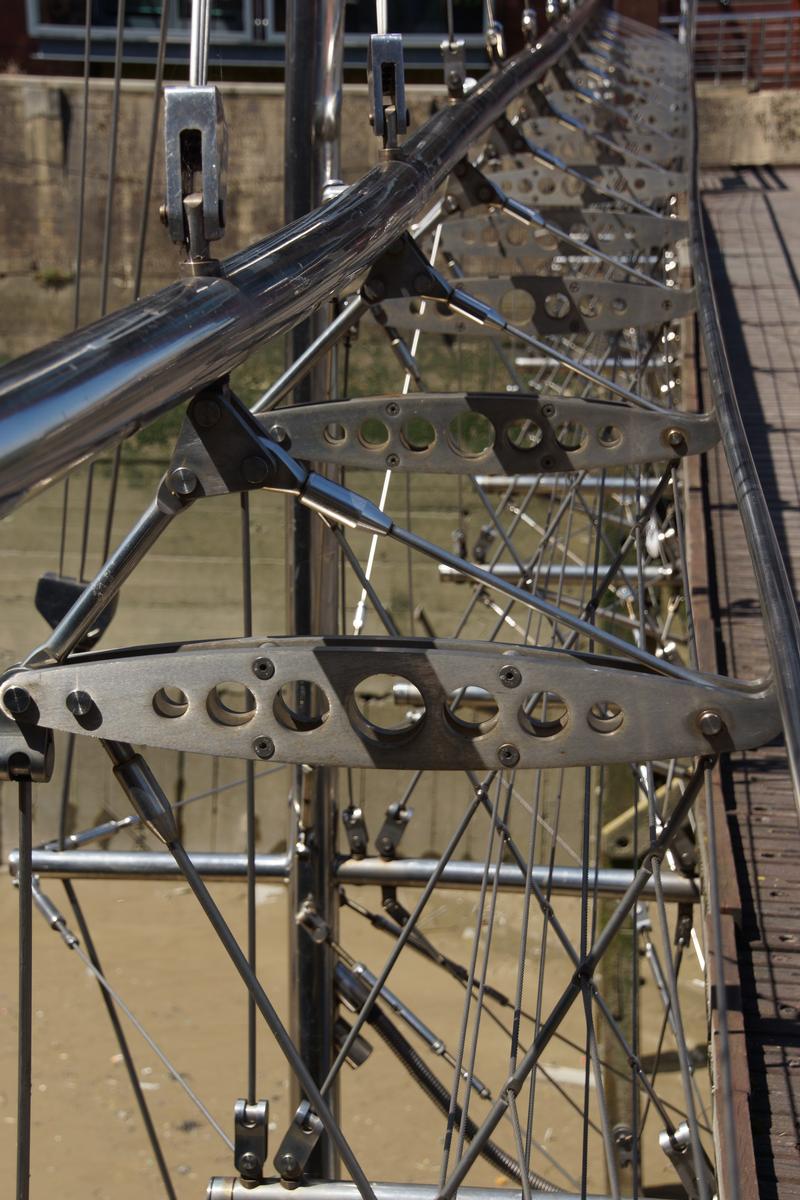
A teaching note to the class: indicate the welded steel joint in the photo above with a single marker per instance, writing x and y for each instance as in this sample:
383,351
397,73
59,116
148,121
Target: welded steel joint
195,156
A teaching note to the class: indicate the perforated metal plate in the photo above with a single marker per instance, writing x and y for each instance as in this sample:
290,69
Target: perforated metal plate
598,711
548,305
494,433
574,146
641,124
508,244
535,184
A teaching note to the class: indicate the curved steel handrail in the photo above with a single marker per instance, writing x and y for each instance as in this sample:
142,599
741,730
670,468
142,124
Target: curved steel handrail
778,605
68,400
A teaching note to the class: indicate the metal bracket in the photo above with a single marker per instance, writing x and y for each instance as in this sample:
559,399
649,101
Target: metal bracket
388,113
26,748
222,448
495,44
678,1149
55,596
455,70
298,1143
195,147
360,1048
502,433
391,831
552,708
250,1133
355,828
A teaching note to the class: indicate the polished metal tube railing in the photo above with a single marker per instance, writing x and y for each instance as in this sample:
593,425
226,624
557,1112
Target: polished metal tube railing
778,605
405,872
67,401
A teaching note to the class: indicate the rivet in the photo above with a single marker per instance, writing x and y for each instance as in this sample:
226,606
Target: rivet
17,700
182,481
264,668
79,703
264,747
508,755
710,723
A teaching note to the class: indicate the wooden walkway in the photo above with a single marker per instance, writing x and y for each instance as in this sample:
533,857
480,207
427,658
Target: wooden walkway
755,261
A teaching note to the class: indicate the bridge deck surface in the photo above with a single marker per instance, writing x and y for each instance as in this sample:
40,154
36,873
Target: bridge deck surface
755,260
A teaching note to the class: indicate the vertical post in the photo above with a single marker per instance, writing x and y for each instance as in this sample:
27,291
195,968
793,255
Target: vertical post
312,585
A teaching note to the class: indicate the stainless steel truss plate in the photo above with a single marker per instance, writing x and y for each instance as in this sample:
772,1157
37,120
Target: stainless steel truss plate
575,146
543,708
507,243
536,184
494,433
578,106
668,107
548,305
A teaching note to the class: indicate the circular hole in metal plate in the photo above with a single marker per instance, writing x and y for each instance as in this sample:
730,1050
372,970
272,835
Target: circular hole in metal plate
386,706
170,702
544,714
547,186
516,235
471,434
334,433
557,305
571,435
609,436
605,716
301,705
472,711
572,186
517,306
418,434
545,240
231,703
524,434
373,434
489,235
469,234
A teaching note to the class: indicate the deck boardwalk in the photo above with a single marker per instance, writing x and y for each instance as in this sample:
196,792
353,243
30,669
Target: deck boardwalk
755,261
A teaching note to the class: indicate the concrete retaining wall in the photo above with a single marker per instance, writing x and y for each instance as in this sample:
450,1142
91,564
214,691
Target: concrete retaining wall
40,143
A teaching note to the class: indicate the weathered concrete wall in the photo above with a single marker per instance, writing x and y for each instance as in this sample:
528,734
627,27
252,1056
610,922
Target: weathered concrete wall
40,147
741,128
40,142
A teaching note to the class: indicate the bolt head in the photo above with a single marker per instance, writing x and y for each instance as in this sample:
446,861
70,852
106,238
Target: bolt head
182,481
392,408
264,668
17,700
278,434
249,1164
255,470
288,1166
264,747
206,412
508,755
392,460
80,704
677,439
710,723
548,410
163,214
510,677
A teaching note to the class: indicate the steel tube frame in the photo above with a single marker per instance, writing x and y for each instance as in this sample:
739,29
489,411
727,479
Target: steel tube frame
71,399
402,872
229,1188
778,605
